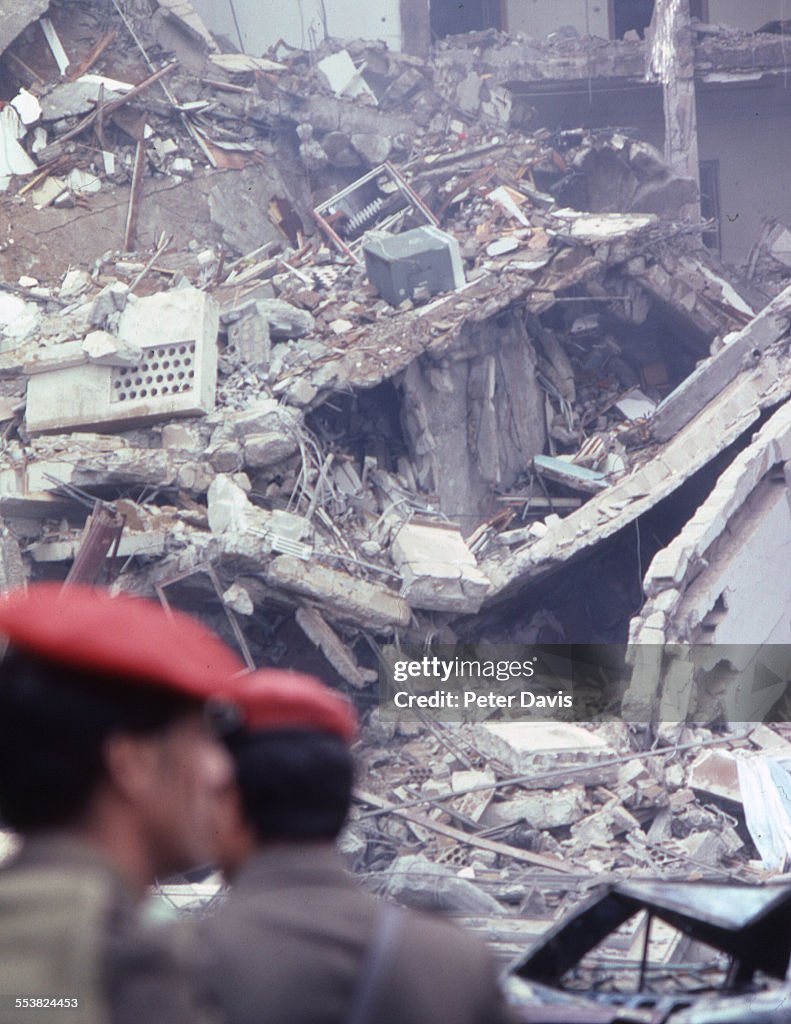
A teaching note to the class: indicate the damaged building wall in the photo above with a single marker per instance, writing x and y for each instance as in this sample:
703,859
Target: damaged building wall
744,128
485,392
257,25
723,582
540,17
261,23
749,17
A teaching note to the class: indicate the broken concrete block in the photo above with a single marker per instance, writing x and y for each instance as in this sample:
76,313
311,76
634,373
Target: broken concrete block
261,435
238,599
15,16
285,320
439,571
552,743
417,882
598,829
299,391
108,350
74,283
472,805
68,99
341,596
541,808
183,437
228,506
374,149
109,302
249,335
177,331
18,319
715,772
320,633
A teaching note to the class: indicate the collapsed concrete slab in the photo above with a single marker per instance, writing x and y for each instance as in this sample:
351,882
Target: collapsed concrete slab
344,597
94,460
715,426
15,16
438,569
716,586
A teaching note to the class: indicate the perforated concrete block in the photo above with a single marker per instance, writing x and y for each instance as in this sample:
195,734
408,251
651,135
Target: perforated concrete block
177,376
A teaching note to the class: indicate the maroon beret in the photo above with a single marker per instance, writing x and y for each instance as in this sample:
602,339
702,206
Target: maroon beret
275,699
131,638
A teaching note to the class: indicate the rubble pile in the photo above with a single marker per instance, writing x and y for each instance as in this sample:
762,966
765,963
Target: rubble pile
225,380
206,397
193,344
545,812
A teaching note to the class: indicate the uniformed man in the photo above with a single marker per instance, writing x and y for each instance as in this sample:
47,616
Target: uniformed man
296,940
109,773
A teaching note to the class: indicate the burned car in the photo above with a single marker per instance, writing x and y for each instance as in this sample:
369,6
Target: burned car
693,952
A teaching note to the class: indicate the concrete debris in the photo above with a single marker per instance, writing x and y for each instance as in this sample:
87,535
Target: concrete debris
320,633
417,882
541,809
16,16
285,320
390,360
108,350
438,569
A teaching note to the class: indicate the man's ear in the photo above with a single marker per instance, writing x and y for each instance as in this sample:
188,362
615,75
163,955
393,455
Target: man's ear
235,838
130,766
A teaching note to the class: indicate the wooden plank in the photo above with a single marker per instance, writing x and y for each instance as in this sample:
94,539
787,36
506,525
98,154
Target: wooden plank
523,856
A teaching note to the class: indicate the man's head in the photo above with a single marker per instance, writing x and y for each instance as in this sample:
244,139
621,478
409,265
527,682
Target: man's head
294,770
102,730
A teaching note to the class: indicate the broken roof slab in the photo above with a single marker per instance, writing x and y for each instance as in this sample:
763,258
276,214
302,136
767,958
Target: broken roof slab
717,425
16,15
730,56
674,569
373,352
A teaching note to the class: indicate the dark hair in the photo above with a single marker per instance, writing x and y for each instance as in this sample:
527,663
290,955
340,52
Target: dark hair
54,721
294,784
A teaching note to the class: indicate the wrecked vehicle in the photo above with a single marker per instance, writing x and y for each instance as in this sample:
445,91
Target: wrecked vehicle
652,951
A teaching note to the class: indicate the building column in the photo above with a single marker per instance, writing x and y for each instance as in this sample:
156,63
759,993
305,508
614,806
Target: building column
415,27
671,61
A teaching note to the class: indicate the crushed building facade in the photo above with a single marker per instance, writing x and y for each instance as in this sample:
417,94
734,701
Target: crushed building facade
582,437
287,448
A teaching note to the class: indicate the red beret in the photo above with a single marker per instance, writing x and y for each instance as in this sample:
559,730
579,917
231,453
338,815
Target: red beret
130,638
273,699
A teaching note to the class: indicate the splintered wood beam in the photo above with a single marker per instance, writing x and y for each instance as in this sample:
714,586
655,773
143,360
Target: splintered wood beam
134,198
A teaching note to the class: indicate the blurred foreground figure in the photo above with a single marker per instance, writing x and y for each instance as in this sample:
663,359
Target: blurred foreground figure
110,775
296,940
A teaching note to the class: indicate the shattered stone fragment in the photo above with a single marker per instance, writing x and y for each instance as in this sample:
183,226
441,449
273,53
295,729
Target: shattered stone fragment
249,337
438,569
344,597
285,320
417,882
109,350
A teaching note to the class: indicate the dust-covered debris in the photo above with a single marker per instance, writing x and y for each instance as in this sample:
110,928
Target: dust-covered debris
318,454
